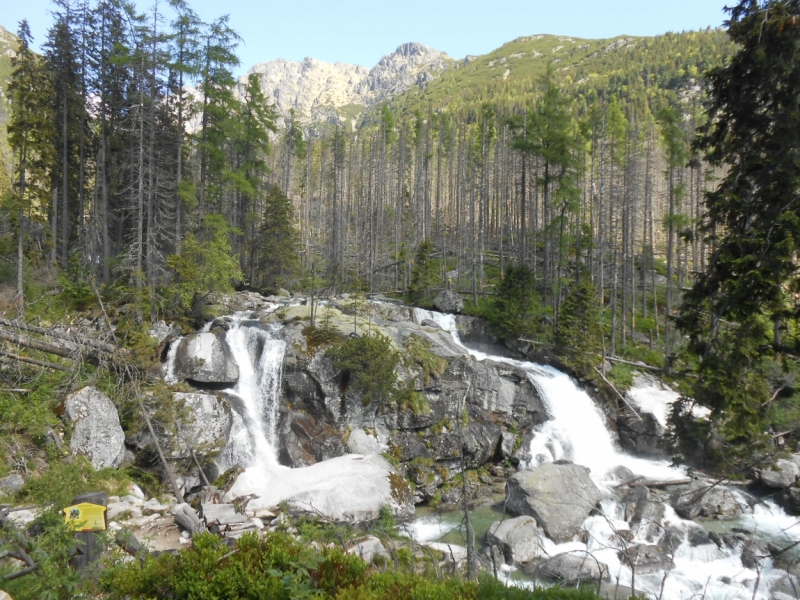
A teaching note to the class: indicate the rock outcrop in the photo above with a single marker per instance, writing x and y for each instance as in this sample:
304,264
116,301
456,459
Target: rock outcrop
783,475
206,358
316,90
96,433
558,495
448,301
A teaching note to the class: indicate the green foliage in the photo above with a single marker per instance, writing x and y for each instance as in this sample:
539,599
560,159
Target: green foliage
411,399
515,309
206,262
621,375
419,352
424,275
368,364
51,549
741,314
278,264
277,567
65,479
579,337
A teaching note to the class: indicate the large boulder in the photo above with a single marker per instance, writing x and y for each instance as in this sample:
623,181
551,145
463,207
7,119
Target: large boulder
702,499
558,495
207,427
571,569
448,301
350,488
206,358
519,539
782,476
96,433
11,484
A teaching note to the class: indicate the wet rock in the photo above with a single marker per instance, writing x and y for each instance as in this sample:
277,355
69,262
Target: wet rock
208,426
558,495
642,435
646,558
571,569
644,511
305,441
620,474
702,499
368,549
787,584
206,358
782,476
448,301
519,539
751,553
96,434
789,499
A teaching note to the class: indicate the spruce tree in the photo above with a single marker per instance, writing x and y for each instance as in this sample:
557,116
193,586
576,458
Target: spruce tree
742,313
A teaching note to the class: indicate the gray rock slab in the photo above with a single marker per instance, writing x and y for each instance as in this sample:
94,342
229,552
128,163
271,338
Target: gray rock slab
558,495
368,549
97,433
571,569
11,484
519,539
206,358
448,301
360,442
781,477
702,499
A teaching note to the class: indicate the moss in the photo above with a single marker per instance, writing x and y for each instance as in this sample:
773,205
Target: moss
401,491
419,353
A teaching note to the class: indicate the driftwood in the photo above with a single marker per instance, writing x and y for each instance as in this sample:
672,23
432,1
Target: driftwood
187,518
223,514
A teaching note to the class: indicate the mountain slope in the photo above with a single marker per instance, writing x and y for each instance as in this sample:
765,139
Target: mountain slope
339,92
634,68
8,48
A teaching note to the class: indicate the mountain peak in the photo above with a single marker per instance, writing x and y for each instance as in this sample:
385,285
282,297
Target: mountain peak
317,91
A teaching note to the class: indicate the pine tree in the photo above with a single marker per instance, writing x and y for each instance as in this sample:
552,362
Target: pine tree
29,135
742,313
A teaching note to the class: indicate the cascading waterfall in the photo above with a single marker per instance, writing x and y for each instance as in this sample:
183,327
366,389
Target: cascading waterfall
260,358
577,431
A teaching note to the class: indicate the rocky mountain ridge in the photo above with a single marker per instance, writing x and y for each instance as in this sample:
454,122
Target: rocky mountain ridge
338,93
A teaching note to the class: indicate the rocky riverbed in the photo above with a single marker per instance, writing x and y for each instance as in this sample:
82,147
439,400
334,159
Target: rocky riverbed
583,493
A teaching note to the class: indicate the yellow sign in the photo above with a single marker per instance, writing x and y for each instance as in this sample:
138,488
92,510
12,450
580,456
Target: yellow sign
86,517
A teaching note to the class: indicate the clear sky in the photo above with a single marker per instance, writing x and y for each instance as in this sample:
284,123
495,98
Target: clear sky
362,31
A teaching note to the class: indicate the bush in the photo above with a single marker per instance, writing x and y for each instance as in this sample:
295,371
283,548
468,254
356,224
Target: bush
368,364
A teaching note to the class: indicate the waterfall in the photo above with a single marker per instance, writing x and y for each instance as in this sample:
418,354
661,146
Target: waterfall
256,397
577,430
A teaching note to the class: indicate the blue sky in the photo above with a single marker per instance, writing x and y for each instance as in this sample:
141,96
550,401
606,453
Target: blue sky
361,31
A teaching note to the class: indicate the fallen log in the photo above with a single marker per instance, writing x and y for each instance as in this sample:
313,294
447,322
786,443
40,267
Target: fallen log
11,357
37,345
69,337
186,517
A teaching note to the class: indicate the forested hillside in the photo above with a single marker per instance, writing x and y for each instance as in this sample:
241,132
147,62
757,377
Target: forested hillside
552,182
